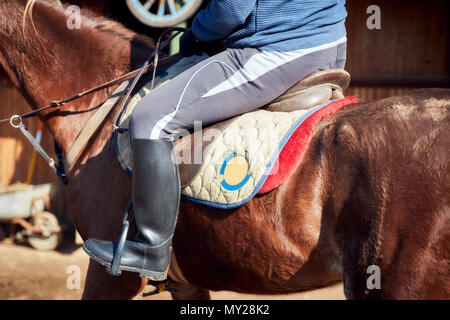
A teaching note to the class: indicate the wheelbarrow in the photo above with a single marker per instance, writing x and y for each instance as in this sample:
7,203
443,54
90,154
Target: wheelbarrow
25,207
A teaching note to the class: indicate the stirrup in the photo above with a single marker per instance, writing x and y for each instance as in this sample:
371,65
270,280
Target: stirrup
115,265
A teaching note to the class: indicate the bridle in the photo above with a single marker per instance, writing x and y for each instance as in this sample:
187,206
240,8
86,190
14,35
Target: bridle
95,121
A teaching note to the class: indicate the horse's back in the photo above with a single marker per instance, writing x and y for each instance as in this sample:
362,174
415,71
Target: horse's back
398,213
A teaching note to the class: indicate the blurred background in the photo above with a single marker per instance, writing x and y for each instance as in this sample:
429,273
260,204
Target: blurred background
411,50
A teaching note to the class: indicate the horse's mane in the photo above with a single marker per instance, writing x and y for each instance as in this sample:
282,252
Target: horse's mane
89,19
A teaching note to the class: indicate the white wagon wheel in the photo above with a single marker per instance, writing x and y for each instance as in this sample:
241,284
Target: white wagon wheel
47,240
163,13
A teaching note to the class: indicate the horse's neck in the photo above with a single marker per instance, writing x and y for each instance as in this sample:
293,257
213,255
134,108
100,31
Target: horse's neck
56,62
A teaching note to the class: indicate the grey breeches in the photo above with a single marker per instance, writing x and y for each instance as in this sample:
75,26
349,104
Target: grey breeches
228,84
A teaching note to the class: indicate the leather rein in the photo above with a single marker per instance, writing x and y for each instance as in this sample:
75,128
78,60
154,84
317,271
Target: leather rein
124,90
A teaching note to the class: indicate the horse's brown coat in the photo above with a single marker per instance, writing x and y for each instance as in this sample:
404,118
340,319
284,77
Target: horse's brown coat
373,188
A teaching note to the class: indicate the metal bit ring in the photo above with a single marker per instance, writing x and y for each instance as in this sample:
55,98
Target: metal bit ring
15,119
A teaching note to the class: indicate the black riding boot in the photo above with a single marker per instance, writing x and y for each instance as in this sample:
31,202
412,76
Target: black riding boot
156,196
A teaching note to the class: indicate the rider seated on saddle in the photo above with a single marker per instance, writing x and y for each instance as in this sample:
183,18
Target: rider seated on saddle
271,45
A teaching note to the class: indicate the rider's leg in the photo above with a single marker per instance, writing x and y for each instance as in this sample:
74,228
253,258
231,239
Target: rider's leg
226,85
231,83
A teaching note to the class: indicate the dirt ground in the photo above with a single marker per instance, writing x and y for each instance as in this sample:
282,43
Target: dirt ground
26,273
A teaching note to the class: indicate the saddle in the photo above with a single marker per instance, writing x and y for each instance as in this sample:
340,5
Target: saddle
313,90
227,163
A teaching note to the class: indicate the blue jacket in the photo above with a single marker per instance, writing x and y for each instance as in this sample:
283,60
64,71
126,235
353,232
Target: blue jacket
272,24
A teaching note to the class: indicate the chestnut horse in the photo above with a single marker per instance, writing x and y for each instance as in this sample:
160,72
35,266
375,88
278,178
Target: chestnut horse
373,187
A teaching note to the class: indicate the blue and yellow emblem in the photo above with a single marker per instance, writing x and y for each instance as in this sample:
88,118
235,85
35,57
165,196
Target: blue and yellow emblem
234,172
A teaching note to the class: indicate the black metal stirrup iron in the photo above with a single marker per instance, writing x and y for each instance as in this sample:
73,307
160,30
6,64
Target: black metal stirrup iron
115,264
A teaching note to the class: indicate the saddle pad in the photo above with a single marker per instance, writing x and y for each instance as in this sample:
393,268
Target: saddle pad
244,159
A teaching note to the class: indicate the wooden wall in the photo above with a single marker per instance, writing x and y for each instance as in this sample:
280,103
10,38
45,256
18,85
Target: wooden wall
412,49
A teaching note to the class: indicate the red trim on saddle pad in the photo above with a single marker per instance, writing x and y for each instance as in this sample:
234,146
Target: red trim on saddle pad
292,153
